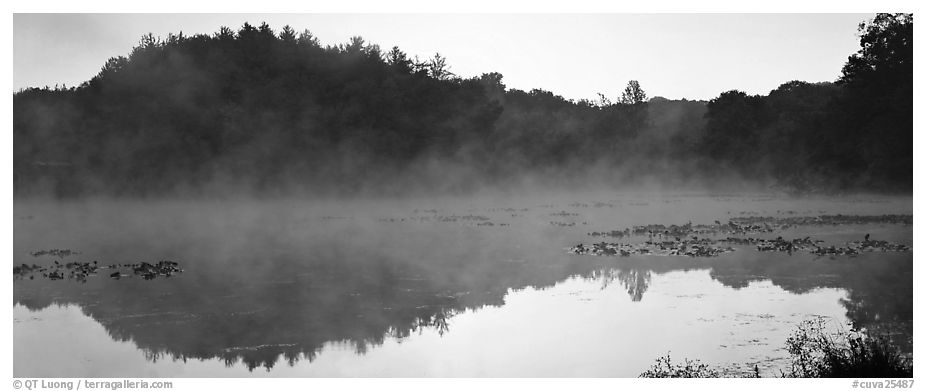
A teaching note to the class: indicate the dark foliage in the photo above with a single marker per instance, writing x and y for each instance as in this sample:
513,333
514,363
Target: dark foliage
852,135
271,112
816,353
665,368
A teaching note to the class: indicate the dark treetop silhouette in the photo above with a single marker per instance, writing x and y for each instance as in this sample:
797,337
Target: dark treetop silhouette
262,111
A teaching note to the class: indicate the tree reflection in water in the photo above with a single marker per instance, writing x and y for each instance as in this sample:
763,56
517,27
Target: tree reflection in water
272,301
635,281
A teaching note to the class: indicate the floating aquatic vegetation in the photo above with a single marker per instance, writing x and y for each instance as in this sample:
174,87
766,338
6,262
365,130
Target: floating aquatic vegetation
879,245
150,271
596,204
777,244
752,225
601,249
81,270
671,230
833,250
747,229
858,247
694,247
21,271
464,218
57,271
690,248
390,219
509,210
682,239
660,230
786,222
60,253
431,217
780,244
613,234
812,246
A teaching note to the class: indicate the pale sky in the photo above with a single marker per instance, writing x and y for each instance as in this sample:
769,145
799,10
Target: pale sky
694,56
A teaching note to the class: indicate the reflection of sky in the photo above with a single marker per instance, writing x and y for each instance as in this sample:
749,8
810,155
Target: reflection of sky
575,328
275,273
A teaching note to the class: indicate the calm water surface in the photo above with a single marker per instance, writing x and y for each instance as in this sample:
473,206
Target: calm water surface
436,287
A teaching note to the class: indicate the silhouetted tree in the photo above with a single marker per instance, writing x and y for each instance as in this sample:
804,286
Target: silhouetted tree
633,94
438,68
879,99
288,34
266,109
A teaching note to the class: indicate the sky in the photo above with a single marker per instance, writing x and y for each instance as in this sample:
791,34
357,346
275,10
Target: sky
693,56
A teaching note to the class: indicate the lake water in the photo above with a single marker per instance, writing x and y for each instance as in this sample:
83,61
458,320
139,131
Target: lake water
437,287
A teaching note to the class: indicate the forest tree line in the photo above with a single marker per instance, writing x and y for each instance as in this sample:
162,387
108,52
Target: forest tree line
276,111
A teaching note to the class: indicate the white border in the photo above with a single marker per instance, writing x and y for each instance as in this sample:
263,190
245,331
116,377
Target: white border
473,6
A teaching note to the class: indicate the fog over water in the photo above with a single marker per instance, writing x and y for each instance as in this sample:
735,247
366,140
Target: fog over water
256,200
441,286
